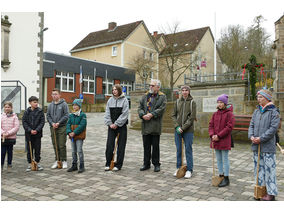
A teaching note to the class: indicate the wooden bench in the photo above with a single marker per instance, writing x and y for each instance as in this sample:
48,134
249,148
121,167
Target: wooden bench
242,122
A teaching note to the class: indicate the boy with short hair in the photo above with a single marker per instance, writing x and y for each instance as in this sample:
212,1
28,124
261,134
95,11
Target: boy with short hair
57,116
33,122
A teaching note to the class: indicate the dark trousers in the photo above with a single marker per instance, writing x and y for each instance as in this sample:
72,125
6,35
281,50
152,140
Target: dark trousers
36,147
7,148
151,141
111,140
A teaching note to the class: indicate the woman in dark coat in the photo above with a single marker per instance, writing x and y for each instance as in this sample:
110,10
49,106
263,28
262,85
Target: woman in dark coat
220,128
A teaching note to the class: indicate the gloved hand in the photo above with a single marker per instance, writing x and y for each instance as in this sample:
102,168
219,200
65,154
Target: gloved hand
178,130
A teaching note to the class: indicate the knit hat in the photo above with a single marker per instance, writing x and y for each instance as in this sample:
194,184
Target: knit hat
78,102
185,87
266,94
223,98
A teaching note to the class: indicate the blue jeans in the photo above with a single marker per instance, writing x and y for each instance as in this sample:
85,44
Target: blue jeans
188,141
223,162
77,147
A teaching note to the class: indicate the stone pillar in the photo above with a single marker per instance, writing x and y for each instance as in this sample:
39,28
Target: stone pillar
279,81
135,97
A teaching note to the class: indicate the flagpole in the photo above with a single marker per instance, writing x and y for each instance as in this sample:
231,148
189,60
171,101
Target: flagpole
80,79
215,38
95,84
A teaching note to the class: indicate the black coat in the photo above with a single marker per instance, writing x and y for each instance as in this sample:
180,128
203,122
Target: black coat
33,120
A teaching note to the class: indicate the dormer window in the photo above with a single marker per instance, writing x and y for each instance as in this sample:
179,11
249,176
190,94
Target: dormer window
114,51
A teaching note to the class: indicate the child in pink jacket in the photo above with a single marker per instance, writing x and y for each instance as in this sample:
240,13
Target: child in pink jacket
9,128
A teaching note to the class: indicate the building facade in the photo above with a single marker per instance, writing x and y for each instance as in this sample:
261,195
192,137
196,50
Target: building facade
63,72
21,57
191,53
119,45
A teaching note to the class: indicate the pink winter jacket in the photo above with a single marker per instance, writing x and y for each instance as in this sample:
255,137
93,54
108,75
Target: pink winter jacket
10,124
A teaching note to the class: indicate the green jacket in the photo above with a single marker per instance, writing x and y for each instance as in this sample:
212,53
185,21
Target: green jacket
153,126
80,120
183,116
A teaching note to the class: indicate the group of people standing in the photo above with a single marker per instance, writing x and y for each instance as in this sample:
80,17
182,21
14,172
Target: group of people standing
262,130
61,124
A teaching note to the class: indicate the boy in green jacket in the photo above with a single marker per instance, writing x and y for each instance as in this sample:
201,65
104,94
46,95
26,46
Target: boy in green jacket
76,130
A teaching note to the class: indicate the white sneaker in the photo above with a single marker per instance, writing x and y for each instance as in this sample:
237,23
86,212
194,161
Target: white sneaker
115,169
54,166
39,167
106,168
187,174
175,174
29,168
64,164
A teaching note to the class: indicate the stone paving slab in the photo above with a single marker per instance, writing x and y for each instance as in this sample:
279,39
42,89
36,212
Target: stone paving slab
129,183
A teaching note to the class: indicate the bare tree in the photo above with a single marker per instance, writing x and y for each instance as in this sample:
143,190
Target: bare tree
231,46
143,67
176,57
237,44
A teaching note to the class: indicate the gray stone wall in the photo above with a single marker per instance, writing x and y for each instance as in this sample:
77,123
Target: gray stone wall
279,81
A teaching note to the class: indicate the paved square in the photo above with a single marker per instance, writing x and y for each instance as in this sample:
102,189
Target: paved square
129,183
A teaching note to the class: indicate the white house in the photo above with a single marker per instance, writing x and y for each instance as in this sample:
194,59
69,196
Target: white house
21,57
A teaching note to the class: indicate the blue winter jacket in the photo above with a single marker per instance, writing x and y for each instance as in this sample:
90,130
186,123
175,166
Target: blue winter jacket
264,124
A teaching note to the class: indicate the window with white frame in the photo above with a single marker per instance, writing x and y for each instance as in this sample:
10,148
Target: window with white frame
64,81
114,51
127,85
107,86
88,84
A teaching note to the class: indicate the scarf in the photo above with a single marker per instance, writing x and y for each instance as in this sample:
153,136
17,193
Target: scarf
150,99
262,108
9,114
77,113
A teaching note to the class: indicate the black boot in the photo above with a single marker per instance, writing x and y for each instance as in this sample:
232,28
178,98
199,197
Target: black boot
73,168
225,182
81,168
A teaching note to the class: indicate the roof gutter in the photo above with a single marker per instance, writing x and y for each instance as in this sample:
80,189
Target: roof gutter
96,46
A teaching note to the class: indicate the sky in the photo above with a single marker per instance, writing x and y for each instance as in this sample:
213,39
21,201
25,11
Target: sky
70,21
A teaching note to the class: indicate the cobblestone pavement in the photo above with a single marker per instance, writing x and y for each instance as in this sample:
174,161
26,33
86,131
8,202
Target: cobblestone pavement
129,183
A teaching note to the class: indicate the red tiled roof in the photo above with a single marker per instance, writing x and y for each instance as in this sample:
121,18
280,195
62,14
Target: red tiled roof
106,36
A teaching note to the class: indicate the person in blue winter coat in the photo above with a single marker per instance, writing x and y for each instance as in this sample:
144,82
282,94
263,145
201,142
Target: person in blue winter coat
263,127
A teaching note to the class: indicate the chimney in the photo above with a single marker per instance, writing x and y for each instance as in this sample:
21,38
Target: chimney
155,34
111,26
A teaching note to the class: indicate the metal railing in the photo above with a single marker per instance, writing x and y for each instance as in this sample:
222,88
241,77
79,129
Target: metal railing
228,77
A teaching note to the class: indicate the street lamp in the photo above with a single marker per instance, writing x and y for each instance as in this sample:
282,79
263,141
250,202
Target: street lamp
41,32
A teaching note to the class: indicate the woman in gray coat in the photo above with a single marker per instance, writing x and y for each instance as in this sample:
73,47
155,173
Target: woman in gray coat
263,127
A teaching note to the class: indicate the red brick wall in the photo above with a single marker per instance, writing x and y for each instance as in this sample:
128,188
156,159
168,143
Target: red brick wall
116,81
99,85
70,96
